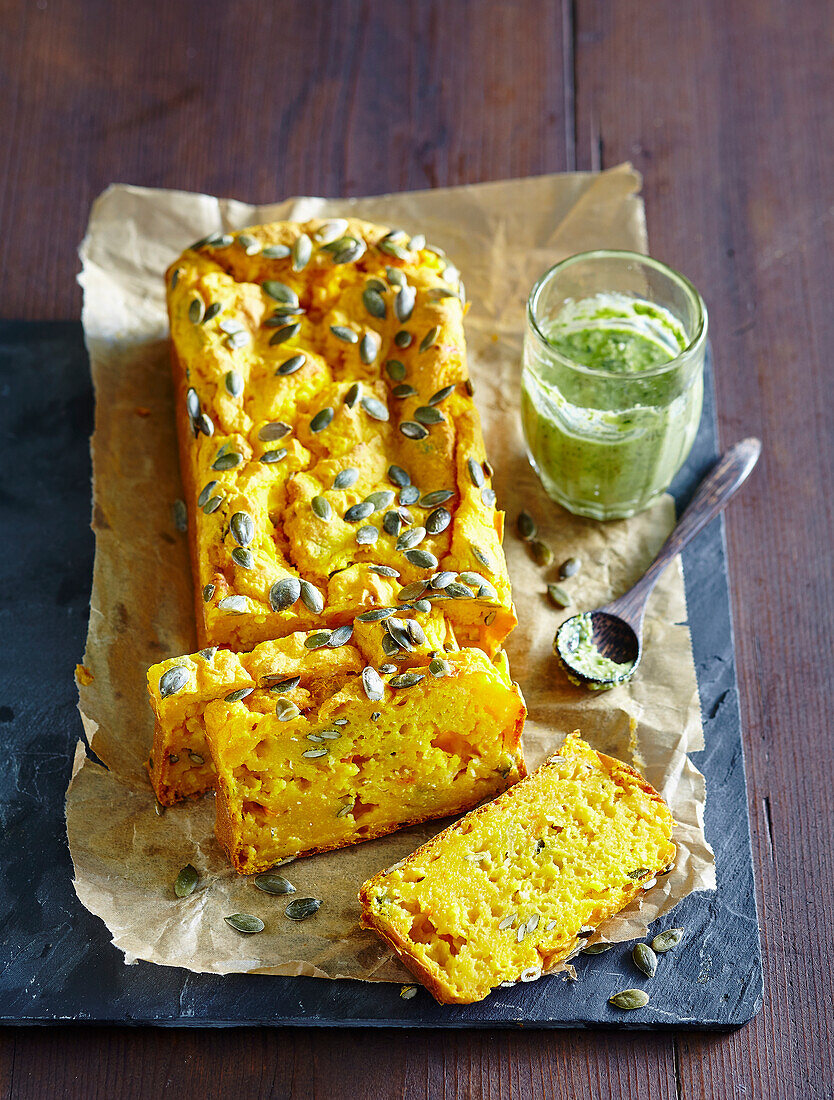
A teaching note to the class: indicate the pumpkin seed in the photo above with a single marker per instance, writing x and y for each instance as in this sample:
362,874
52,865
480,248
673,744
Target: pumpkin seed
508,921
286,711
227,461
367,535
195,311
408,991
175,277
395,370
526,526
236,604
340,636
276,252
205,424
541,552
403,339
383,570
596,948
360,511
639,873
392,523
321,420
410,494
387,669
286,332
411,591
441,395
569,568
317,639
208,592
442,580
488,496
236,696
173,680
438,521
342,332
273,431
285,683
429,338
352,394
425,414
312,598
243,557
271,883
301,908
374,303
208,654
195,757
212,504
245,922
417,242
212,311
438,667
416,632
192,403
345,810
403,390
404,303
374,408
242,528
437,496
644,959
558,595
373,684
330,735
473,579
397,630
389,646
291,365
395,276
375,615
186,881
331,230
238,340
406,679
284,593
315,754
369,349
423,559
302,250
408,540
280,292
459,591
268,457
665,941
346,478
630,999
321,508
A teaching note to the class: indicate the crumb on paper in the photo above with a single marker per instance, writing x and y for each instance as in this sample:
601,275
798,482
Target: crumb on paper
83,676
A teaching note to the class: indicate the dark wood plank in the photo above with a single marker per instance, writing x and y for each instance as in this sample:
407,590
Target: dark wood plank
726,109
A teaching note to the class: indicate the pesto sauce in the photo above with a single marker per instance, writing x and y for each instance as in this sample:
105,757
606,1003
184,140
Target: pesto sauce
575,642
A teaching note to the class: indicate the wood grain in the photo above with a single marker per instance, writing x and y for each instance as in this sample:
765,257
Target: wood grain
726,108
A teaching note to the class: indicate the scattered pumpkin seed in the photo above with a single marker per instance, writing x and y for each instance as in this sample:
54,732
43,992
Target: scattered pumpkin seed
375,408
373,684
245,922
340,636
285,710
280,292
423,559
286,683
236,696
429,338
383,570
392,523
367,535
569,568
195,757
186,881
242,528
342,332
644,959
302,250
286,332
317,639
284,593
403,339
352,395
665,941
406,679
558,595
173,680
175,277
403,390
360,511
408,991
404,302
331,230
212,311
395,370
488,496
437,496
208,592
346,478
275,430
195,311
596,948
438,667
312,598
541,552
208,654
243,557
268,457
212,504
321,420
374,303
276,252
426,414
236,604
301,908
291,365
375,615
639,873
271,883
369,348
180,514
408,540
410,494
395,276
438,521
321,508
441,395
508,921
459,591
630,999
526,526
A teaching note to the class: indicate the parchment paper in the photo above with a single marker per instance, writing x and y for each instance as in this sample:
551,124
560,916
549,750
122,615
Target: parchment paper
502,236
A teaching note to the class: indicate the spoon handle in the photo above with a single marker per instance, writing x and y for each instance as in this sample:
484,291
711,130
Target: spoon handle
711,496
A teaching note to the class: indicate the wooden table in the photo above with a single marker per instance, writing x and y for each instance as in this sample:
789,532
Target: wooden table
727,109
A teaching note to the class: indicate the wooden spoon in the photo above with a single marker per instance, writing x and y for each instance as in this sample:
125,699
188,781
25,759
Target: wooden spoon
616,630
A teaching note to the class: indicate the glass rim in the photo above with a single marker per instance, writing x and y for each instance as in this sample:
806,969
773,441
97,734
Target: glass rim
688,287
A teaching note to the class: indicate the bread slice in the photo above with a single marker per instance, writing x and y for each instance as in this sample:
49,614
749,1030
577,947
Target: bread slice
314,749
519,885
306,389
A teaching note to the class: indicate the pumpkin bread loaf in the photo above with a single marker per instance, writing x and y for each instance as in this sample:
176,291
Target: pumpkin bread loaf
522,883
330,448
311,747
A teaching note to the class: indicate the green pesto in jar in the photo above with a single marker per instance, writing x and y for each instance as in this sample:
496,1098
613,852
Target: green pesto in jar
575,645
605,437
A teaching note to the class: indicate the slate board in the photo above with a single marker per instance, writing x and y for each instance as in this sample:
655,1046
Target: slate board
56,959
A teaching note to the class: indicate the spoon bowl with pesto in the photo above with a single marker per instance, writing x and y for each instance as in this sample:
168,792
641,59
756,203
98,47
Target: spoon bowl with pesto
601,649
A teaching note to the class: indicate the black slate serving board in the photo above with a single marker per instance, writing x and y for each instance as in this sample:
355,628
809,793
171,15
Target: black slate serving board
56,959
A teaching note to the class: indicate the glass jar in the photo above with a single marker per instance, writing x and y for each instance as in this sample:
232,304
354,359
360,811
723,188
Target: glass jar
612,380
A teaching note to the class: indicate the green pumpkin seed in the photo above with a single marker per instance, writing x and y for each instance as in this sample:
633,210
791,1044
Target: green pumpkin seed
342,332
441,395
392,523
243,557
340,636
321,420
403,339
192,403
321,507
395,370
442,580
273,431
369,349
245,922
429,338
395,276
317,639
374,303
302,250
416,632
208,592
268,457
403,390
644,959
373,684
231,326
286,711
398,476
271,883
195,757
291,365
476,473
437,496
360,511
367,535
479,555
526,526
280,292
438,667
375,615
186,881
284,683
173,680
558,595
375,408
312,598
411,591
541,552
286,332
630,999
438,521
665,941
236,696
346,478
425,414
331,230
406,679
404,303
242,528
175,277
409,539
227,461
639,873
212,504
212,311
569,568
284,593
195,311
237,605
301,908
383,570
596,948
206,425
276,252
208,654
459,591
